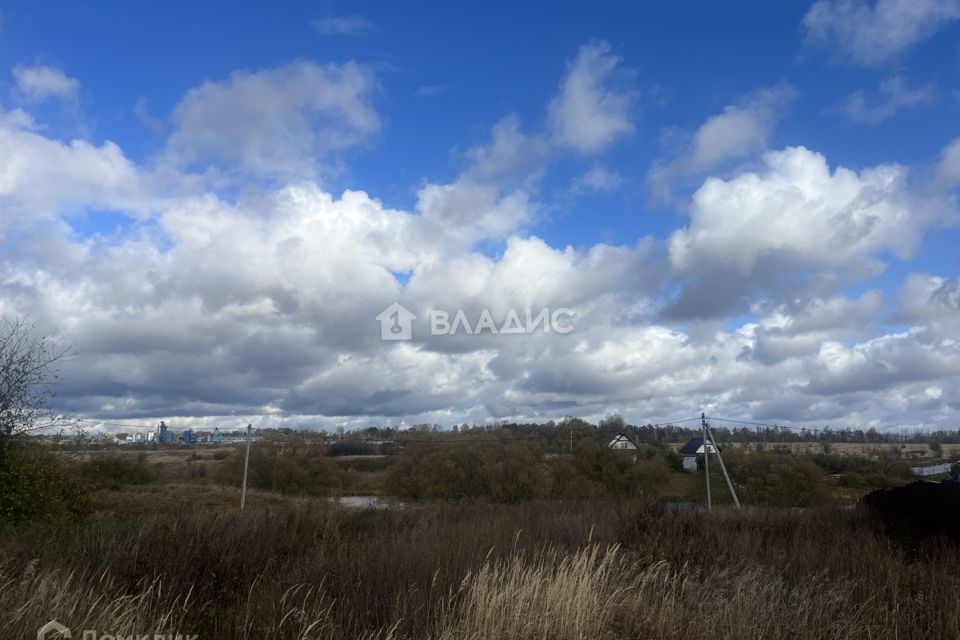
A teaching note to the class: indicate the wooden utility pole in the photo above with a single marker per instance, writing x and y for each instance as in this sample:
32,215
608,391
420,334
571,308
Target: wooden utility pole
246,463
723,467
706,459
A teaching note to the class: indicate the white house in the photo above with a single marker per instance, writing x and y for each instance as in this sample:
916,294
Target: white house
622,443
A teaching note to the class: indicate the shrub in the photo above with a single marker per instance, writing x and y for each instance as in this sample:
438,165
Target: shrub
777,479
512,471
36,487
861,472
351,448
112,471
444,472
618,473
500,471
674,460
295,471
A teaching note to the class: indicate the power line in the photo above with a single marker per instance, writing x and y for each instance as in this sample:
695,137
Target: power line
772,426
672,422
837,430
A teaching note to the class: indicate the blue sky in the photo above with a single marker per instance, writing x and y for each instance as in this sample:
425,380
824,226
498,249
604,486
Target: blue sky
615,119
453,71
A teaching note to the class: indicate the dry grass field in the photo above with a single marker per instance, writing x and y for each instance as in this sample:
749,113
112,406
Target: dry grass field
182,558
497,542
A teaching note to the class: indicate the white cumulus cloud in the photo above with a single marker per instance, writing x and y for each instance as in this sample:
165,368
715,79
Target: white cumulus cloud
39,83
796,226
287,121
895,94
742,128
799,207
948,168
41,178
593,108
874,33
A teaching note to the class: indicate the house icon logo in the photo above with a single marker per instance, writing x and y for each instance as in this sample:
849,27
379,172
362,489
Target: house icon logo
53,629
396,322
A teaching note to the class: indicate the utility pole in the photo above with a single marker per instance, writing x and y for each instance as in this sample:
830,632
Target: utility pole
706,459
636,441
246,463
571,441
723,467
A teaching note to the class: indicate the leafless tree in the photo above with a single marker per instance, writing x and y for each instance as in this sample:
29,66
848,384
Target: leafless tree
28,369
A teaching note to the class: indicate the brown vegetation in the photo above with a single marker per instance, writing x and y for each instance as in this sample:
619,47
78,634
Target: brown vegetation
498,539
306,568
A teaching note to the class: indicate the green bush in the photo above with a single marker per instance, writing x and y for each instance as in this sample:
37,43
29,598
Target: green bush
301,471
776,479
36,487
112,471
469,470
512,471
861,472
674,460
351,448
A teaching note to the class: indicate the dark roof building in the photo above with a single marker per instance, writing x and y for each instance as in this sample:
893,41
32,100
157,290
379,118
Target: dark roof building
690,451
694,447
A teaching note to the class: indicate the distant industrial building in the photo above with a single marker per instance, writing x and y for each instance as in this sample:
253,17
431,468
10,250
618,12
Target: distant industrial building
165,436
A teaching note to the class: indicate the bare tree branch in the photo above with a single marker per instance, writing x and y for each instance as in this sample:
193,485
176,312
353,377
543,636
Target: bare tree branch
28,364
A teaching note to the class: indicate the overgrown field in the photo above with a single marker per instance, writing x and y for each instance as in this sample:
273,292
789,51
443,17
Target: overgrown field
491,540
506,470
307,568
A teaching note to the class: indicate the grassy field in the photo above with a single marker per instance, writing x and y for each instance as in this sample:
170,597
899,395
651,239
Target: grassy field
168,558
500,541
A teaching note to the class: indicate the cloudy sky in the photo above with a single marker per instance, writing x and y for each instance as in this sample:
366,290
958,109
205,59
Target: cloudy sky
749,209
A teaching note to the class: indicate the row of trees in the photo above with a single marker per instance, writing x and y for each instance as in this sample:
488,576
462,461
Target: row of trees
555,434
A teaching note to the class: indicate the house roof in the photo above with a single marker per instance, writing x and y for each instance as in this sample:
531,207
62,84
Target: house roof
619,438
693,447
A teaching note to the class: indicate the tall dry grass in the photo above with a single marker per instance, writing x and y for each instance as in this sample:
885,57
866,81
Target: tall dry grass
555,595
598,594
597,569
